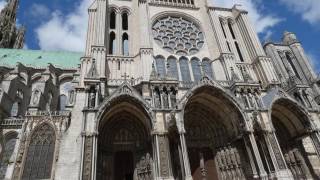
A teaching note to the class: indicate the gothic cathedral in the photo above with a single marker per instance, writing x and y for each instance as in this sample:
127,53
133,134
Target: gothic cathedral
165,90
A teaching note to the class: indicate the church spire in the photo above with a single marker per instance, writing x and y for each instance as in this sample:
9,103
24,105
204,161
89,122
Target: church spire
10,35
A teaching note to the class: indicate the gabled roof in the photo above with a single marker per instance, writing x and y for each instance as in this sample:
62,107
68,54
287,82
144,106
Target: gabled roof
39,59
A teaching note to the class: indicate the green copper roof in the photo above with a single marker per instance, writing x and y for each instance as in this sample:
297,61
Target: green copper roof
39,59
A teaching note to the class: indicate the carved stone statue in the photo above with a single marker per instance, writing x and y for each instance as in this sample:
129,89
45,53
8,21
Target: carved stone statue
157,101
173,99
165,100
92,99
48,105
71,96
144,168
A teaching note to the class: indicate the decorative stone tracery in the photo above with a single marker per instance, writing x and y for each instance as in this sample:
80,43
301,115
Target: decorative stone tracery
178,35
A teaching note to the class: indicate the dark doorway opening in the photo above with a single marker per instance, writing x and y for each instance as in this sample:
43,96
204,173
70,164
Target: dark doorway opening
123,165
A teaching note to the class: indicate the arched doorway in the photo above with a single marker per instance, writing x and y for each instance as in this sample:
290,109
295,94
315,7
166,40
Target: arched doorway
124,141
212,123
292,125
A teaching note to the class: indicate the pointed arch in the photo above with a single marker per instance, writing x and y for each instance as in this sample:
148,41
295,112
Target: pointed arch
291,114
124,126
212,121
39,158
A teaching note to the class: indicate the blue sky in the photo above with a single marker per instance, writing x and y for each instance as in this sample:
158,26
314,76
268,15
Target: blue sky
61,24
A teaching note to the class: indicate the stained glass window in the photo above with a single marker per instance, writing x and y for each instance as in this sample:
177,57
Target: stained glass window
40,154
207,67
161,67
7,153
195,63
184,68
173,69
125,44
112,43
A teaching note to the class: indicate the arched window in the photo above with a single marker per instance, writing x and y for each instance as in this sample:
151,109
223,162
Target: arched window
40,154
161,67
9,145
184,69
207,68
63,102
239,51
112,43
195,63
231,30
14,110
222,27
292,64
113,18
125,44
125,21
173,68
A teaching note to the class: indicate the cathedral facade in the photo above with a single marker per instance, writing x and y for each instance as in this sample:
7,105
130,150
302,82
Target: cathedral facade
165,90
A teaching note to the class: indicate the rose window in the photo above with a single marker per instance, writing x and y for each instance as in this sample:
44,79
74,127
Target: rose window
177,35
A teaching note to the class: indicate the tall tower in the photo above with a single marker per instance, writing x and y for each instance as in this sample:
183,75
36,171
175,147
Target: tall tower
10,35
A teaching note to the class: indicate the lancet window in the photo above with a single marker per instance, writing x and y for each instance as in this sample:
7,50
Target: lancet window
293,67
125,44
119,42
161,66
195,63
184,69
112,43
207,68
173,68
7,152
231,38
40,154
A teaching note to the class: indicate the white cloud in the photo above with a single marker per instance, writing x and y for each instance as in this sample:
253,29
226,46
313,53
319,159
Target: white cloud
68,32
65,32
262,22
308,9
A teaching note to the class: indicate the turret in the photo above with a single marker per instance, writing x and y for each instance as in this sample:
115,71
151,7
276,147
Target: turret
10,35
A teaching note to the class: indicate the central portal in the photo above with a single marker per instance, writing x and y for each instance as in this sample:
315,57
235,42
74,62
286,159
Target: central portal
124,165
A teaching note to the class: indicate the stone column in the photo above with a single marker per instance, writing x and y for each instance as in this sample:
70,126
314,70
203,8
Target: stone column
315,136
251,142
163,156
88,156
276,154
185,157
